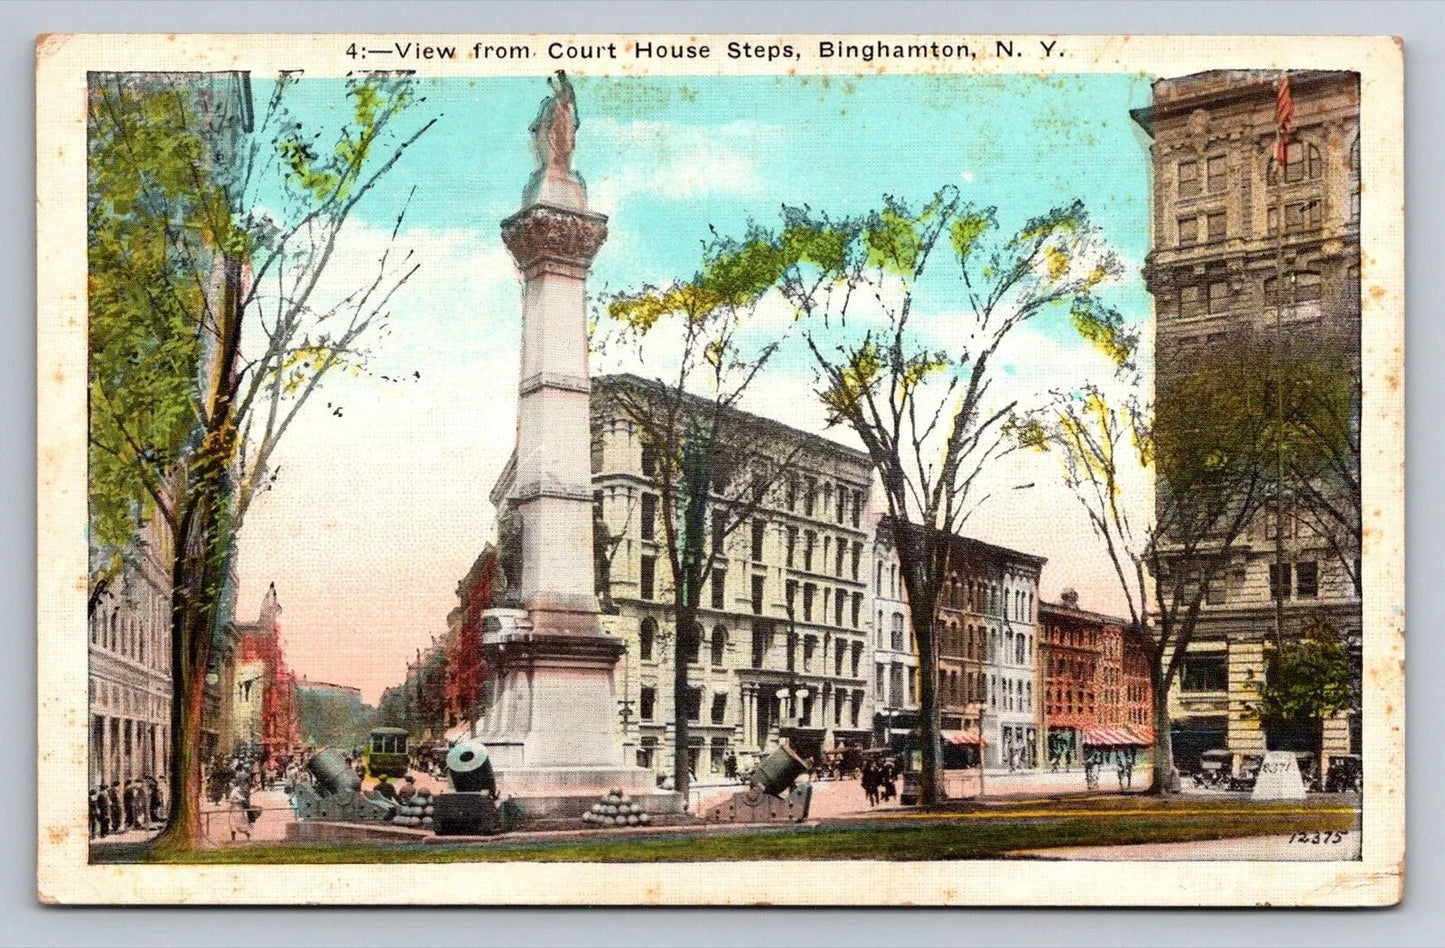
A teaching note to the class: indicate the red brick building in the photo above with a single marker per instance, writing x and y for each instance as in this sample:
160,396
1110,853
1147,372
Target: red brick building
1094,675
465,668
259,643
1070,658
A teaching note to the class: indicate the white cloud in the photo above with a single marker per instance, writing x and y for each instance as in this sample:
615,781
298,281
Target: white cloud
676,161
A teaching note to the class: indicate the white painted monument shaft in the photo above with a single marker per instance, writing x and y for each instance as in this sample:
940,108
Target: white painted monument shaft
551,705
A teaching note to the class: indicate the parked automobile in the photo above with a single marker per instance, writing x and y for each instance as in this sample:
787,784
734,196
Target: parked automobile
1216,770
1346,774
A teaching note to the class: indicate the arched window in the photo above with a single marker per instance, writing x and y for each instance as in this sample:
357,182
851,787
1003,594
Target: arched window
646,639
719,644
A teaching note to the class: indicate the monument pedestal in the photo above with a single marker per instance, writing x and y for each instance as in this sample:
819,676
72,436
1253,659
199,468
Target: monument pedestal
548,727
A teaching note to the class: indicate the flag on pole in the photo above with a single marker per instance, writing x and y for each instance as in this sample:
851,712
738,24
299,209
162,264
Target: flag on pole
1283,120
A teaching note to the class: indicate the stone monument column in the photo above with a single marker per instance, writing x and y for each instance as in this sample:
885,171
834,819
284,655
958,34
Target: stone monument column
551,706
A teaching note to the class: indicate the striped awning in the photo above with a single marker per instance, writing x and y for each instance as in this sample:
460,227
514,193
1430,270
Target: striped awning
962,738
1111,737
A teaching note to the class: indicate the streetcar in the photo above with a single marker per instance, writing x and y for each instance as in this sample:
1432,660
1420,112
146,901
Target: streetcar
386,752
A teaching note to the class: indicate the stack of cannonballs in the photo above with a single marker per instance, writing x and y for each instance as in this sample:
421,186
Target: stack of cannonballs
416,812
615,808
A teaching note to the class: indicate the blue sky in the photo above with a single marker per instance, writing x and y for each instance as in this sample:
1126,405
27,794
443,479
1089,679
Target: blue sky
380,509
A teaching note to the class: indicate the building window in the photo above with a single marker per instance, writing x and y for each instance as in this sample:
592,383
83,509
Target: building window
1355,180
1188,179
857,609
646,638
1279,576
1188,231
649,516
649,577
1306,580
758,595
694,704
810,496
792,594
897,639
694,645
719,529
839,599
792,543
857,657
1214,592
719,644
1203,673
809,644
809,590
838,651
1214,226
842,505
719,588
760,531
1302,163
649,462
719,707
878,682
838,555
810,539
647,705
1217,173
858,494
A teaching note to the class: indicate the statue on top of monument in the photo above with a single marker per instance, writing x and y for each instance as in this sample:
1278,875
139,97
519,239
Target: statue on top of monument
554,132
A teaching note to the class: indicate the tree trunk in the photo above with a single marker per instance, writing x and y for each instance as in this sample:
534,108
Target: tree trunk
684,617
920,583
1165,778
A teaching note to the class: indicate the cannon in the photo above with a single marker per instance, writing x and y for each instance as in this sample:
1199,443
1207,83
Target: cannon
471,808
771,796
334,793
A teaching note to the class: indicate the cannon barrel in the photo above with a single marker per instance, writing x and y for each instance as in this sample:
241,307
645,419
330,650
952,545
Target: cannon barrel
333,774
776,773
470,768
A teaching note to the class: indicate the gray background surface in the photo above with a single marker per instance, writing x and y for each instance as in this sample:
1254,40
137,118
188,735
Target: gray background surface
1421,920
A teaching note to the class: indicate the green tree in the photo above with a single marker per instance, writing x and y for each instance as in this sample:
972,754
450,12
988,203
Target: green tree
1311,679
207,335
1207,439
913,381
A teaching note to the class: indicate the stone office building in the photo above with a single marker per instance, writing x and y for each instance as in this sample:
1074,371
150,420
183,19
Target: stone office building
783,649
130,669
1266,260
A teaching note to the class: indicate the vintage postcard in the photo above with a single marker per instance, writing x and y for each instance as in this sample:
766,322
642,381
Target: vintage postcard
581,469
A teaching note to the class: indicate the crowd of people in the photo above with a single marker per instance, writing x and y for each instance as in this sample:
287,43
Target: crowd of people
135,805
880,780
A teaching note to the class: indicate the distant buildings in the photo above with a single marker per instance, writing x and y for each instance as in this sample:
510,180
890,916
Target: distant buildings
1095,678
1265,260
265,714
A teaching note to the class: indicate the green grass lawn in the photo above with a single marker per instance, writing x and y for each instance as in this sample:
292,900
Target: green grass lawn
940,838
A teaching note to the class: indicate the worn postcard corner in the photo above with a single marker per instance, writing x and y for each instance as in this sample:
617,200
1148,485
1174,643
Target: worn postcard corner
469,460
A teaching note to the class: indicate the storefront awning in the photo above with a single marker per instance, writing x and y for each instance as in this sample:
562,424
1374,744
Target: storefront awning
1111,737
962,738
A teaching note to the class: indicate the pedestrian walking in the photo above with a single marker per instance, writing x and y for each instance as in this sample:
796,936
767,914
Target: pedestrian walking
240,815
870,783
1121,769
